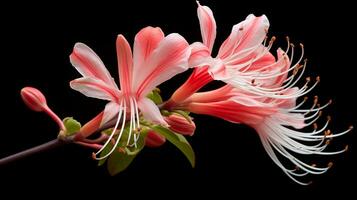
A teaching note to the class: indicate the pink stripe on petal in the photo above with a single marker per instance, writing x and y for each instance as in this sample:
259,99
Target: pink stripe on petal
207,25
146,40
167,60
125,64
232,111
245,36
95,88
200,55
88,64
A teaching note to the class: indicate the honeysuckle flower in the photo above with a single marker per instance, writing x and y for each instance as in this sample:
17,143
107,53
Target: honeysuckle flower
36,101
243,49
279,123
243,60
155,59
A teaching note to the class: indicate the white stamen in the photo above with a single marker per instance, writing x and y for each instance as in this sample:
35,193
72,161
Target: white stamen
121,111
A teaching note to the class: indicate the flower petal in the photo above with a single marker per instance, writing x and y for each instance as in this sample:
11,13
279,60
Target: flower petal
146,40
151,111
95,88
125,64
233,111
167,60
245,37
88,64
110,112
207,25
200,55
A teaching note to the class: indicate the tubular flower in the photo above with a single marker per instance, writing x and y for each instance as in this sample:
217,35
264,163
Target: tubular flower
243,60
155,59
278,122
242,51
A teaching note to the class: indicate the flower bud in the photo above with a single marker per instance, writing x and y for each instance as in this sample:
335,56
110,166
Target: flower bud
33,98
36,101
180,124
154,139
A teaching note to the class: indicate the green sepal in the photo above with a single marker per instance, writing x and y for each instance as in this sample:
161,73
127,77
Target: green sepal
72,126
155,96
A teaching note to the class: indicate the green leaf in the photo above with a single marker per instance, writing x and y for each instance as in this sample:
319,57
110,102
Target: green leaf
118,162
155,96
72,126
179,141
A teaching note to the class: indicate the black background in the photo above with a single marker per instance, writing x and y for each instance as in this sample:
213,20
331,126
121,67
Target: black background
230,158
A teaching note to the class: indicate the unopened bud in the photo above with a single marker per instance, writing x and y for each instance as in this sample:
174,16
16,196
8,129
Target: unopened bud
154,139
180,124
34,99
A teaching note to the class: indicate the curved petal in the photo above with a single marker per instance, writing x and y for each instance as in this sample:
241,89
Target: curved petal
200,55
150,111
245,37
233,111
146,40
88,64
167,60
95,88
207,25
110,112
125,64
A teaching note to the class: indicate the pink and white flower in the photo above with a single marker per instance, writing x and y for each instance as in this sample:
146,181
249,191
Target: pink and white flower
279,124
155,59
243,60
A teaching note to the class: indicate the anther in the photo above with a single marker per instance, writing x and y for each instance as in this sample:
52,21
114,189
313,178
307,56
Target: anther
308,79
328,118
351,127
301,45
316,99
318,79
346,147
272,39
328,142
292,45
287,38
121,149
330,164
315,126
